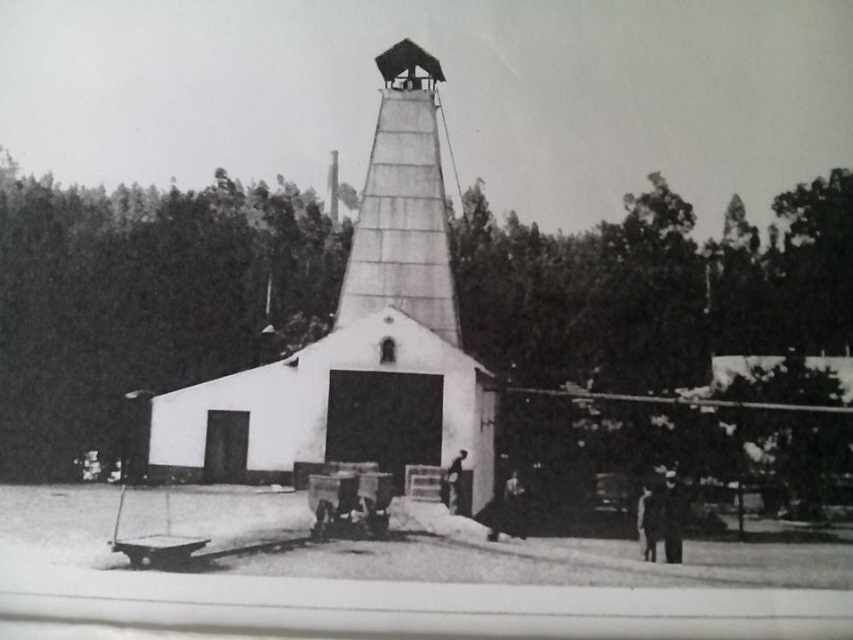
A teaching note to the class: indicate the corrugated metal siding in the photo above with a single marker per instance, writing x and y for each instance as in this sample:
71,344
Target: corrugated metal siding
411,214
400,253
406,280
432,280
407,180
403,111
417,247
405,148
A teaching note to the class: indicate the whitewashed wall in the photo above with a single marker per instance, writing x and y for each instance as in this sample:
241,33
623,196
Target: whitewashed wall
356,348
288,405
484,451
283,408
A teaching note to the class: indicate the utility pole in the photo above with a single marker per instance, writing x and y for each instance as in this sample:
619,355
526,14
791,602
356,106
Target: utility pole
741,457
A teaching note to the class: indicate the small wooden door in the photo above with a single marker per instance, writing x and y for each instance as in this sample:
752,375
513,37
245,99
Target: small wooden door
227,448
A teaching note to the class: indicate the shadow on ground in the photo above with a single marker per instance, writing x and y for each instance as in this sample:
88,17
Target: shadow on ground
199,564
619,525
218,561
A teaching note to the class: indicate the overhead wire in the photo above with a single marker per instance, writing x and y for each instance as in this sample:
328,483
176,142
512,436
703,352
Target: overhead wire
690,402
449,147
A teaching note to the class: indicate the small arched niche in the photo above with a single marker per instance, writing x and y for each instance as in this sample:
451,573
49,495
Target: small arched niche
387,351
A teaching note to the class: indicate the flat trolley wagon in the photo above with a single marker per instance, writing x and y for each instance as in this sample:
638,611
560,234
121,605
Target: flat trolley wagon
161,551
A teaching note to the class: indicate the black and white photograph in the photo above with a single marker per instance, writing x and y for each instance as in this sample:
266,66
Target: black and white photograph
436,319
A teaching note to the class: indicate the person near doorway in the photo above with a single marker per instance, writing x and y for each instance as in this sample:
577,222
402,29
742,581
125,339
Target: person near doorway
648,523
515,507
583,482
455,502
673,516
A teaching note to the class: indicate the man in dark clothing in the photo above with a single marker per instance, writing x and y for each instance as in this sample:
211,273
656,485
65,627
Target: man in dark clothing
454,483
515,507
648,522
673,515
509,511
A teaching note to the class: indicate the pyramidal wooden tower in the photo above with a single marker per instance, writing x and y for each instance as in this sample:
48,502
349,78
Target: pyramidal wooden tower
391,385
400,254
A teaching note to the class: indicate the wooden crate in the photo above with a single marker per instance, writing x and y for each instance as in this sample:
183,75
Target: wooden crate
422,472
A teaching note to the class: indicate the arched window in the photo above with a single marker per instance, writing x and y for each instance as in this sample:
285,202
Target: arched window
388,351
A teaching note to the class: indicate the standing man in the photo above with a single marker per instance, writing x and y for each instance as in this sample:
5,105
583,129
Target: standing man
673,516
648,522
515,508
454,483
510,514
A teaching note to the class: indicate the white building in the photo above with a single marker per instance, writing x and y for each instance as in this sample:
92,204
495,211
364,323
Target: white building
390,384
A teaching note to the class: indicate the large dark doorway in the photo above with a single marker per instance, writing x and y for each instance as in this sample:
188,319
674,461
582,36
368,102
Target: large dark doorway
390,418
227,447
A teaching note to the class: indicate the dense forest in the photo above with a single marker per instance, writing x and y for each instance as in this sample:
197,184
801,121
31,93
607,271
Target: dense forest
103,293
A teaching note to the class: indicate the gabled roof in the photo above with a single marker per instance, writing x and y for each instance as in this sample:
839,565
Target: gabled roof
246,375
339,333
433,341
406,54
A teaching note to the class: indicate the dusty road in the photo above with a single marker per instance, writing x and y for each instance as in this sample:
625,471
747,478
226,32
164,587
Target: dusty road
71,525
550,561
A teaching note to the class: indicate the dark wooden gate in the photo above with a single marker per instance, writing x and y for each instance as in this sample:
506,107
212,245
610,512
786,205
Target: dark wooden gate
227,447
394,419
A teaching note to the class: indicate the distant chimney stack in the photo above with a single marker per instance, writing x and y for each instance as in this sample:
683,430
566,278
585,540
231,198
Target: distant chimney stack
333,188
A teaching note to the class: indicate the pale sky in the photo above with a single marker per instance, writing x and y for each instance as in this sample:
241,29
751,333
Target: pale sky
561,108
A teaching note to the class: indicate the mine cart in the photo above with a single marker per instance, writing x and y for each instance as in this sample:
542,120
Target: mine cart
333,498
351,467
375,491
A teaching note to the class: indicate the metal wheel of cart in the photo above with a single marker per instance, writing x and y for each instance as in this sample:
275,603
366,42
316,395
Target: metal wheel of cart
332,498
376,490
323,513
379,527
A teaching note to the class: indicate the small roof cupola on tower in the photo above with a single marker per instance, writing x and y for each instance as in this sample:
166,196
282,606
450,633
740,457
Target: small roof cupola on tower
401,252
400,63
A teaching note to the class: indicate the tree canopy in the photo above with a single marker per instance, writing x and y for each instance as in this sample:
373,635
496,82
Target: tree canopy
801,450
102,293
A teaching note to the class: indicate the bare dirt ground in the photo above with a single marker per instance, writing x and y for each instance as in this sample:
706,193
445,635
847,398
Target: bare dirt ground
71,525
552,561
